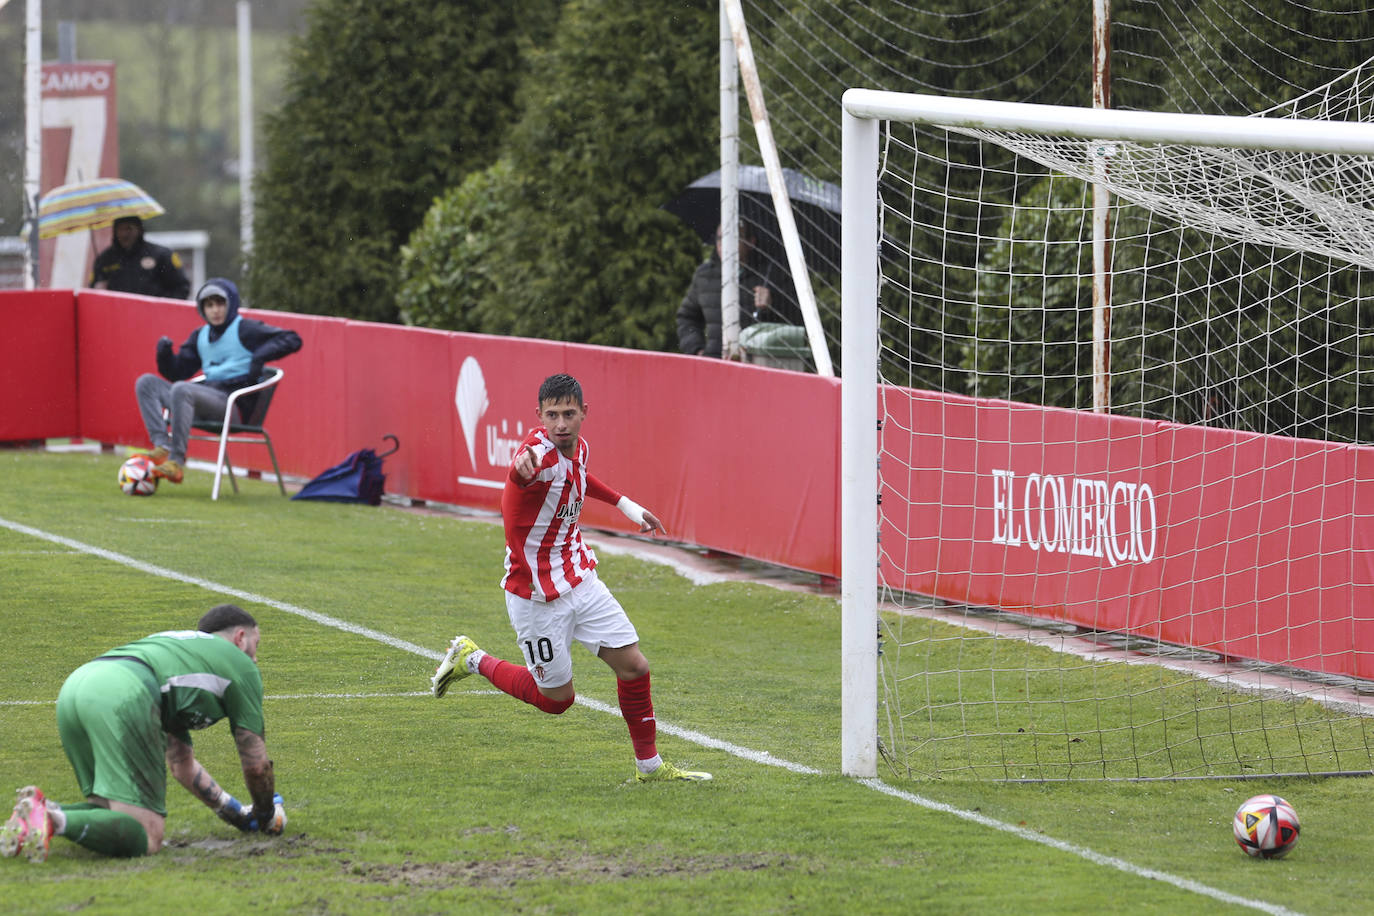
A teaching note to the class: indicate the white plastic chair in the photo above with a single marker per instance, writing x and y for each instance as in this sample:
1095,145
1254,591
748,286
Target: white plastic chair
248,429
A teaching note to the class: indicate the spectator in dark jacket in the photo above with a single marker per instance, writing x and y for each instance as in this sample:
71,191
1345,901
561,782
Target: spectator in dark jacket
229,349
699,317
134,265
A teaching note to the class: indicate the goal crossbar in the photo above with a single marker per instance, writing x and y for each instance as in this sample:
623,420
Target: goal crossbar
1286,134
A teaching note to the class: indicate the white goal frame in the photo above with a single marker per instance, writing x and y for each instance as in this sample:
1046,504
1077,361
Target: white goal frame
863,109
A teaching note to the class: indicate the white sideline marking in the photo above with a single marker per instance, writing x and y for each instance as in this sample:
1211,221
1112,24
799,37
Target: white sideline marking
206,584
763,757
347,696
285,696
877,785
760,757
155,520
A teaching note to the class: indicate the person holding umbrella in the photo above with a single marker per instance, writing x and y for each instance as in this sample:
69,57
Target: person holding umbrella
132,264
699,316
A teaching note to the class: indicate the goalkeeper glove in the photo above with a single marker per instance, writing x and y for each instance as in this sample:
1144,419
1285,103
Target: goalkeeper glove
275,822
232,812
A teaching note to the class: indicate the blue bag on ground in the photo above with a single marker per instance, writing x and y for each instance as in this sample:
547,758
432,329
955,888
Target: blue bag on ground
356,479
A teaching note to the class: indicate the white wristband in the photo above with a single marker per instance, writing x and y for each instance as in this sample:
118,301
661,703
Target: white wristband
633,510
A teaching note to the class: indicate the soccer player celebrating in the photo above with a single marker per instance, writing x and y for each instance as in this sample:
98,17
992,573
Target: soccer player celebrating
122,713
553,594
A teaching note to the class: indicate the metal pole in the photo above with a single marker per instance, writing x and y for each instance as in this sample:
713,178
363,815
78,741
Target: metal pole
729,191
1102,229
66,42
33,134
246,163
782,204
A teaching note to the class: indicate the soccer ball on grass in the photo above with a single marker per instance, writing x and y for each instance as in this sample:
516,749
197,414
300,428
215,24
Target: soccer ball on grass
136,476
1266,826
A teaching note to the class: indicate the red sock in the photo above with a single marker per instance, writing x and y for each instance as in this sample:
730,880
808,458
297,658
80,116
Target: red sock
637,706
519,683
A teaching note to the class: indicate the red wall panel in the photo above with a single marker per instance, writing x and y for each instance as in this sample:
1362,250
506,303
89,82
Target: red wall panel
116,342
1250,546
728,456
308,419
398,381
38,365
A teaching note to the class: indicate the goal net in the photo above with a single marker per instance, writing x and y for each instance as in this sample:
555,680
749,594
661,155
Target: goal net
1170,578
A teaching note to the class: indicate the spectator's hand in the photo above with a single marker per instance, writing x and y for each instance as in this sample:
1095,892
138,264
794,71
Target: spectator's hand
763,298
254,372
164,344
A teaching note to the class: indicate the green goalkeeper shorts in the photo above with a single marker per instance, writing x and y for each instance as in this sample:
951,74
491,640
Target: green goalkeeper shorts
109,719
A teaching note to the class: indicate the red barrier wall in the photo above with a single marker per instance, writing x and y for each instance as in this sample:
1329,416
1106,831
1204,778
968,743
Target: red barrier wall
694,440
1250,546
37,365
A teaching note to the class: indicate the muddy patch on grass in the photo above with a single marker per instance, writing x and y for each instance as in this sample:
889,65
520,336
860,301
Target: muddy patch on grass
583,868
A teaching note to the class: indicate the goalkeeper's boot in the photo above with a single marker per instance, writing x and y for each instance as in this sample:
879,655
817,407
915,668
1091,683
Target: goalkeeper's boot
159,455
666,772
29,828
170,471
459,661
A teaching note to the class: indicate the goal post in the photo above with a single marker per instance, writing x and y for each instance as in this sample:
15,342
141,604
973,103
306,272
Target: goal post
1051,520
859,447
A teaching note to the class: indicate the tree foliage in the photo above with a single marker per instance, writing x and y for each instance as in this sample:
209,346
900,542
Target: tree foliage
566,238
502,170
387,106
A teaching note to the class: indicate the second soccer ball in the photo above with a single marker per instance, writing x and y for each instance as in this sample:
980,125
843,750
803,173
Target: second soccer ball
1266,827
136,476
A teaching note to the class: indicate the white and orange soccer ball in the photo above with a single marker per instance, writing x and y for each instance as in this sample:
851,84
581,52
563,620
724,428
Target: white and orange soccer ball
1266,827
136,476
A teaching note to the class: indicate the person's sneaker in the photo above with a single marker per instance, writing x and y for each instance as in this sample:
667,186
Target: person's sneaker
159,455
29,828
170,471
667,773
459,661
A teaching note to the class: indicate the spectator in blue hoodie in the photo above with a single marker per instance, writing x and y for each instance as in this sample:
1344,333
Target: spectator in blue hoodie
229,349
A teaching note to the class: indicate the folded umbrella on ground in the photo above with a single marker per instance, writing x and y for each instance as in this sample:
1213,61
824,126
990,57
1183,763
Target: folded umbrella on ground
356,479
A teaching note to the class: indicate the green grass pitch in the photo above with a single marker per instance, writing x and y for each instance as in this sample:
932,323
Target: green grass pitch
400,803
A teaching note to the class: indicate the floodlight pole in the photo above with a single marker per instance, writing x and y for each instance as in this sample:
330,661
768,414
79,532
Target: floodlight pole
246,163
729,192
33,135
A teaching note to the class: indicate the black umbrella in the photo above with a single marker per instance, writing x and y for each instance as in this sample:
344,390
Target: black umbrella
815,209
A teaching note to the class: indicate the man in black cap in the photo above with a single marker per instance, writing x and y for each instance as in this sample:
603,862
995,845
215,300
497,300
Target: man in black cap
134,265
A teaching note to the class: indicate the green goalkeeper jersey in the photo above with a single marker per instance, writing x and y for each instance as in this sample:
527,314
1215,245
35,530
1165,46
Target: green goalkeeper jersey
203,678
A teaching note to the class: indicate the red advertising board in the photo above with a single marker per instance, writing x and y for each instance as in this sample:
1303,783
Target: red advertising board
1248,546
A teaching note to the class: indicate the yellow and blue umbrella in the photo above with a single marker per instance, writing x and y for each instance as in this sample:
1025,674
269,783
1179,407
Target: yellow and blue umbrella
92,204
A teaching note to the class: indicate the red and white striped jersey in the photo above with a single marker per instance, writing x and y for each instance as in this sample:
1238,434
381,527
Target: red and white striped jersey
545,554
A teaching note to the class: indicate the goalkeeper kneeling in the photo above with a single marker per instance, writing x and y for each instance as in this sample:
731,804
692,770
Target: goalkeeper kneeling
121,714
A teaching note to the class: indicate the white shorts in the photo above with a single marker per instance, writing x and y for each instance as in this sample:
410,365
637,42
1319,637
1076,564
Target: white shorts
545,630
